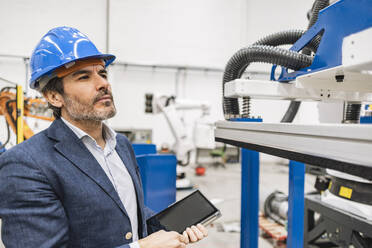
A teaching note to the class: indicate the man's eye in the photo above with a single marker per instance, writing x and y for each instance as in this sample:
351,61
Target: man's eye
83,77
104,75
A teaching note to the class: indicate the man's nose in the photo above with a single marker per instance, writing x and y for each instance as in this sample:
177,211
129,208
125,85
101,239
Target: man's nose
101,83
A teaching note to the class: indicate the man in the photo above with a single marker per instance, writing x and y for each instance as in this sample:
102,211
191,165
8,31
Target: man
77,184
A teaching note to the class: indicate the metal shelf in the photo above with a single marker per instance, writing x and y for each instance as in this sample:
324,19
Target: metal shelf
343,147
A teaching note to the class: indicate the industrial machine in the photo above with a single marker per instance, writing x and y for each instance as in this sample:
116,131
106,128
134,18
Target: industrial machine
136,135
13,106
330,62
185,141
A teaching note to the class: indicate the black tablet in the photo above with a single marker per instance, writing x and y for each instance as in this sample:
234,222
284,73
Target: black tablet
191,210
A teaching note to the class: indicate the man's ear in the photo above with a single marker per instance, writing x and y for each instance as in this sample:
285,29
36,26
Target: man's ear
54,98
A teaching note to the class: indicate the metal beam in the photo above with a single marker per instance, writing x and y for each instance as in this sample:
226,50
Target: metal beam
341,147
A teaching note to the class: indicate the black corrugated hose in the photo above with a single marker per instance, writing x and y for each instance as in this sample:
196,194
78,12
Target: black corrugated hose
284,38
313,17
288,37
259,53
264,50
277,39
318,5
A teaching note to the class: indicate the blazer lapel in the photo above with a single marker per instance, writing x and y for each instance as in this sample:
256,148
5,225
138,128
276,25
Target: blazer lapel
75,151
131,167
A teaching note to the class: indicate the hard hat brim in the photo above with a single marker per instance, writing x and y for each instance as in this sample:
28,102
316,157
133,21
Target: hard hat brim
108,58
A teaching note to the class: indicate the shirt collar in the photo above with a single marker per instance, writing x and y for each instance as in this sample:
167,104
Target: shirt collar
108,133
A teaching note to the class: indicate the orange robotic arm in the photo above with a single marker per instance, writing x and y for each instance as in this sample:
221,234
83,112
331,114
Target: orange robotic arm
33,107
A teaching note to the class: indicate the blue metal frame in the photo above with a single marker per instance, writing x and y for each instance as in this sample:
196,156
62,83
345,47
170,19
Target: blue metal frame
335,22
249,193
296,204
250,163
249,198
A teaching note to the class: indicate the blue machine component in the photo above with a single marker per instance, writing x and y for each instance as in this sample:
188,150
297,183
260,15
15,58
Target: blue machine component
246,119
158,175
366,120
141,149
296,204
249,198
249,193
335,22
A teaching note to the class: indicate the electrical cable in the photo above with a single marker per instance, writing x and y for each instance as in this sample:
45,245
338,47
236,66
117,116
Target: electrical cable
10,110
8,136
7,89
288,37
188,160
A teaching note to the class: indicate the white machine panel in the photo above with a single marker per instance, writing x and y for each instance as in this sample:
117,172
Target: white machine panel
311,87
356,52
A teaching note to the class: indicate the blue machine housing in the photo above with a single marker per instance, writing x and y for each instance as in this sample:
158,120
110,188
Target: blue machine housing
141,149
158,174
337,21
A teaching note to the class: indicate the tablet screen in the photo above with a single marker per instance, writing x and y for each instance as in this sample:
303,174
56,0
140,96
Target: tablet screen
189,211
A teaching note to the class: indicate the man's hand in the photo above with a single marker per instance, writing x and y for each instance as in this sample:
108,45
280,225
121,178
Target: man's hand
163,239
195,233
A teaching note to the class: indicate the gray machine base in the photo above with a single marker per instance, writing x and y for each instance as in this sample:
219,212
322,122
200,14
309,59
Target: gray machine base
334,228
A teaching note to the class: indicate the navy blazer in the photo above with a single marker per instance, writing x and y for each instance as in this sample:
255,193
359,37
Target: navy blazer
53,193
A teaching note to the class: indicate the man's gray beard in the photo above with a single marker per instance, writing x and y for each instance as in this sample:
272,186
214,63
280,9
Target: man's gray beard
79,111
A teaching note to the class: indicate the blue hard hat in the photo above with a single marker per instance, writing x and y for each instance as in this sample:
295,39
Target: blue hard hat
58,47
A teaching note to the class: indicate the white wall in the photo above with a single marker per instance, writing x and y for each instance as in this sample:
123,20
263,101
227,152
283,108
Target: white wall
203,33
266,16
174,31
23,22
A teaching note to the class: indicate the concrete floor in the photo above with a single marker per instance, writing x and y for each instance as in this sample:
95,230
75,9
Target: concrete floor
223,185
